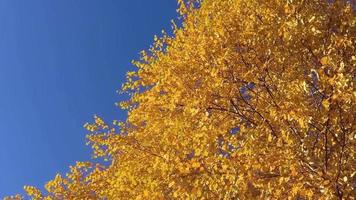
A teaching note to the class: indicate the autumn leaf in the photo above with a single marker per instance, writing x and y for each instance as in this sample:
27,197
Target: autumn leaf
246,100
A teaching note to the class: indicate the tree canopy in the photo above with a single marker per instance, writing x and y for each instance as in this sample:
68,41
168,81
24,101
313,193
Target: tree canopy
245,100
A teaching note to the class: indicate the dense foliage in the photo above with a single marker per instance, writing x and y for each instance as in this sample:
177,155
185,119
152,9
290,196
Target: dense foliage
249,99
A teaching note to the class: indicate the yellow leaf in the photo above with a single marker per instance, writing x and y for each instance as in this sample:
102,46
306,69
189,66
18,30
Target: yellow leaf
326,103
345,179
325,60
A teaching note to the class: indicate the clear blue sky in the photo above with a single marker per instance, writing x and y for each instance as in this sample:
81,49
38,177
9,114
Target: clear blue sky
61,62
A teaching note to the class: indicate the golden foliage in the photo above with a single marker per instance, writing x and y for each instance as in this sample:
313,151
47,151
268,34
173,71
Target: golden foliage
247,100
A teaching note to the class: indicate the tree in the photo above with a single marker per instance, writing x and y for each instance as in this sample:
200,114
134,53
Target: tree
247,100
